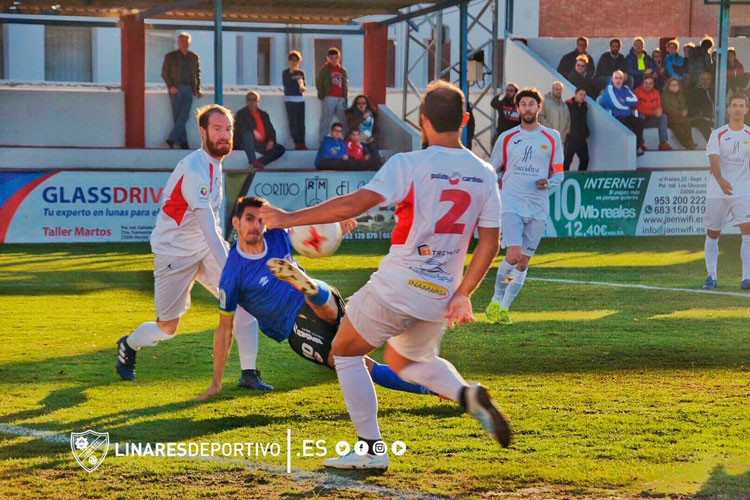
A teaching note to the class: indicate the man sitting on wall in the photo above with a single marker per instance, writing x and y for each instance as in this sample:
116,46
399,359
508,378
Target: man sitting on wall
254,133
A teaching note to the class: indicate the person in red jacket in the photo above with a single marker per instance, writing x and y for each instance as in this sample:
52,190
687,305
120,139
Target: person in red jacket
737,79
650,112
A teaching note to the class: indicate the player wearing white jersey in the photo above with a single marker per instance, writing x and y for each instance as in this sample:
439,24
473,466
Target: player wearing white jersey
442,194
188,247
530,157
728,151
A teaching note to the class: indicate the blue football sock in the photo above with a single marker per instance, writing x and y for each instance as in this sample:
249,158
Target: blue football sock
324,293
384,376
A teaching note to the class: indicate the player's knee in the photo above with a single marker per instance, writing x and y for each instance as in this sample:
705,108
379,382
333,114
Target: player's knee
169,327
393,359
713,234
523,263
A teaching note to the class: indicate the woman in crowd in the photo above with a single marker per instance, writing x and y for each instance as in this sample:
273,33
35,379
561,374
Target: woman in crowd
363,116
675,107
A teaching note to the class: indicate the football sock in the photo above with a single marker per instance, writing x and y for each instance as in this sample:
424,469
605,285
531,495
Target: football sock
359,395
147,334
370,444
384,376
745,256
324,293
711,248
246,334
503,273
438,375
514,287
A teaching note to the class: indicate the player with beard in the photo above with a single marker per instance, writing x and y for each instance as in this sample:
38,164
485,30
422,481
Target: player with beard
530,157
188,247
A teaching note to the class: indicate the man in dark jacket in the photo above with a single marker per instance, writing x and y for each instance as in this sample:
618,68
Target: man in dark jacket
700,102
181,71
254,133
608,63
568,61
507,112
575,141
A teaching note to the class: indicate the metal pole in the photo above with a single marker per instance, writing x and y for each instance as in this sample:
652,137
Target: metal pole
438,46
218,52
406,71
495,64
463,53
721,72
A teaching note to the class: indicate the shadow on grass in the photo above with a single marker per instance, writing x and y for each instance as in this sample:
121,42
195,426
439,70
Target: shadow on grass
721,485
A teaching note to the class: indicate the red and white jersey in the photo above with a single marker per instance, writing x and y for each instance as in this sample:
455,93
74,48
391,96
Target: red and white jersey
442,195
526,156
733,148
196,182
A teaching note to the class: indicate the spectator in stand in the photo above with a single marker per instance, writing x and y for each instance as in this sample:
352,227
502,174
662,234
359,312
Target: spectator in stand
181,71
363,116
580,79
650,111
555,112
609,62
675,107
700,101
332,153
737,80
254,133
293,79
674,63
660,69
637,63
332,84
618,99
357,152
508,116
575,142
700,60
568,61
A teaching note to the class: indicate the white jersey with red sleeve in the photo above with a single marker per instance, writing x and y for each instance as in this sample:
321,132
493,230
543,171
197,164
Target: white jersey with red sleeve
526,156
195,183
442,195
733,149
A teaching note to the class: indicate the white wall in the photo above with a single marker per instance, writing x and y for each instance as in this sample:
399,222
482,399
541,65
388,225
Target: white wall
25,46
106,56
611,145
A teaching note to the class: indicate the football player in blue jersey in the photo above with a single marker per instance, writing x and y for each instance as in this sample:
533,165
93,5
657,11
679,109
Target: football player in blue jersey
262,277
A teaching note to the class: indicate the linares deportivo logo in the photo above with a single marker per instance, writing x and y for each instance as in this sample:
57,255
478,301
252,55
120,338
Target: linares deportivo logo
89,448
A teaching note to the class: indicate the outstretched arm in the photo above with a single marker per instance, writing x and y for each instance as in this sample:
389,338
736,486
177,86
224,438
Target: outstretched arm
222,343
336,209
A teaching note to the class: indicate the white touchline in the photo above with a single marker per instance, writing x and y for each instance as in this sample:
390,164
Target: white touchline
642,287
327,480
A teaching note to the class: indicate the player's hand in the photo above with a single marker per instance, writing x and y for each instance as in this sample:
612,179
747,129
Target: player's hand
274,217
257,135
270,145
348,225
212,389
459,311
725,185
542,184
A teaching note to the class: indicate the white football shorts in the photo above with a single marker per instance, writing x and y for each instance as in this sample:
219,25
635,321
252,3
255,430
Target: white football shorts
174,278
413,338
718,210
523,232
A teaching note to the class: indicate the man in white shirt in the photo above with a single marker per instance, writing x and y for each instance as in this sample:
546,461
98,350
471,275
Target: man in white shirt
188,247
728,151
442,194
530,157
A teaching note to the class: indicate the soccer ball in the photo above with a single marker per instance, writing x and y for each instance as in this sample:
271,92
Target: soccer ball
317,240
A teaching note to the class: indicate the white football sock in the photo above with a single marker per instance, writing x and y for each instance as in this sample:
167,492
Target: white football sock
148,334
745,256
711,248
514,287
246,334
359,395
504,271
438,375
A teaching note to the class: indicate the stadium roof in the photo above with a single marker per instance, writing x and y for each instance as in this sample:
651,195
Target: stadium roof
256,11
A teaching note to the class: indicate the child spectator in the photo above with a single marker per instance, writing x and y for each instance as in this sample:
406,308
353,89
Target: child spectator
660,69
294,101
353,147
674,63
333,154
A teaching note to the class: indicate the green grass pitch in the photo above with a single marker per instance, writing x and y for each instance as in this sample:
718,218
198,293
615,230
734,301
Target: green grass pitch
613,392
